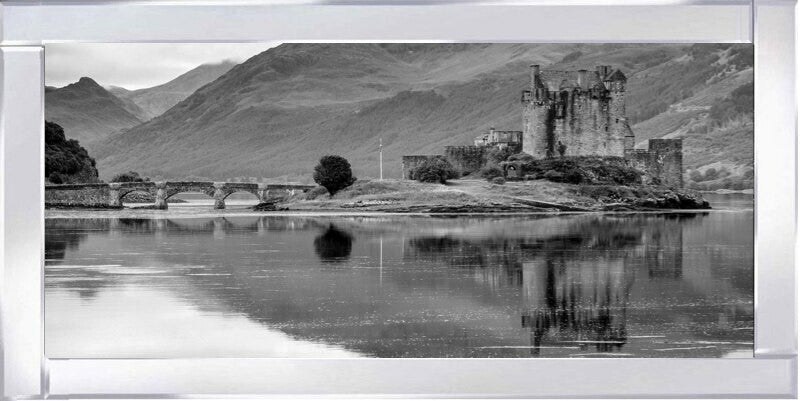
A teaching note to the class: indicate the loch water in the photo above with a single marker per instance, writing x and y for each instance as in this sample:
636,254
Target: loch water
185,284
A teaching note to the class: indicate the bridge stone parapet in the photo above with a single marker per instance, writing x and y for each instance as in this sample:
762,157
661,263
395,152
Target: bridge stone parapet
77,195
112,195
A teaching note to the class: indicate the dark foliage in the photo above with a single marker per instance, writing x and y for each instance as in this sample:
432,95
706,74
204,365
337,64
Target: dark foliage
65,160
497,155
491,171
130,176
584,170
435,170
334,173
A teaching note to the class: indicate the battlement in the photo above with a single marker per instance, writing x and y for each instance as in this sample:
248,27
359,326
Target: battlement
547,85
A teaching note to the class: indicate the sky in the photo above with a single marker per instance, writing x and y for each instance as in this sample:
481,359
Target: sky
137,65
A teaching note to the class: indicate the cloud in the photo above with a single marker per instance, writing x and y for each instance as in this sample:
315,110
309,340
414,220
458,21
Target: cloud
137,65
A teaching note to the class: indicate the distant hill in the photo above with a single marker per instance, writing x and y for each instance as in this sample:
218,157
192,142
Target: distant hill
65,160
88,112
156,100
278,112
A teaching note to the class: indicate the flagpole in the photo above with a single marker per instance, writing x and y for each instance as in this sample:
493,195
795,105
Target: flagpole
380,155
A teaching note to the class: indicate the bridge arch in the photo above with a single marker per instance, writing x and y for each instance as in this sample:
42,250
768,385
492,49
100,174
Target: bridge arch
255,193
118,191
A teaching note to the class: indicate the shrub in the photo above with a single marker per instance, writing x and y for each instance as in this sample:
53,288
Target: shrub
696,176
334,173
573,176
130,176
496,155
491,171
498,180
585,170
434,170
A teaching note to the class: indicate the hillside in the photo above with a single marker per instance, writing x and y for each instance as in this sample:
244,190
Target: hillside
156,100
276,113
88,112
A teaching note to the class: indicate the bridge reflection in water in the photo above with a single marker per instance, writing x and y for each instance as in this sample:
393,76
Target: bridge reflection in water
112,195
628,285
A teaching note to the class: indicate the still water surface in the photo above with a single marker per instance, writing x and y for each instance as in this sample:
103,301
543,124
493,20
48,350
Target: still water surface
610,285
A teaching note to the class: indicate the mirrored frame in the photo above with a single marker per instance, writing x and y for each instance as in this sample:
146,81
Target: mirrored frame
27,27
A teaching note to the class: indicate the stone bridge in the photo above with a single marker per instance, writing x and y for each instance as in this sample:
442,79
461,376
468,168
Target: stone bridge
112,195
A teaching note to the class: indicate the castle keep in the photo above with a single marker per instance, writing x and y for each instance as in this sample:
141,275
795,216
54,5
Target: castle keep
575,113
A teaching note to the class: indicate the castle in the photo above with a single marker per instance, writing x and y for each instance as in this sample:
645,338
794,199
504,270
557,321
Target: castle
571,113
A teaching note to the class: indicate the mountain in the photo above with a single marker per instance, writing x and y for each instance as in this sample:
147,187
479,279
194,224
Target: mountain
278,112
87,112
158,99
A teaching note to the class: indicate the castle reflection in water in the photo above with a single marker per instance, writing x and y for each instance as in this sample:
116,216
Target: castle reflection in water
567,297
574,285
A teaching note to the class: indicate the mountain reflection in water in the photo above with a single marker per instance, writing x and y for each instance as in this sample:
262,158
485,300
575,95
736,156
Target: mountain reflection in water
643,285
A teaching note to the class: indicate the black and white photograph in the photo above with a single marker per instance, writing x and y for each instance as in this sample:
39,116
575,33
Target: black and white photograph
399,200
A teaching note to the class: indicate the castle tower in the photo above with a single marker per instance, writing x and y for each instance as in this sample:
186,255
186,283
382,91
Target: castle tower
537,121
620,133
575,113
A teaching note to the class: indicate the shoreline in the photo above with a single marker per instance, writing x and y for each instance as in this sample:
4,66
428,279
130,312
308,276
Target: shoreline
168,214
467,197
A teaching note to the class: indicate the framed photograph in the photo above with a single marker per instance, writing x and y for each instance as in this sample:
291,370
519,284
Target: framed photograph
429,199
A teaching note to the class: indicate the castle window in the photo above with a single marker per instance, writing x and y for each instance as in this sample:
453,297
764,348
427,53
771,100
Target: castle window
618,121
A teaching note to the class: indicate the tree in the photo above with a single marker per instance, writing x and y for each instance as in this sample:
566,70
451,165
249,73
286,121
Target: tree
434,170
65,160
334,173
130,176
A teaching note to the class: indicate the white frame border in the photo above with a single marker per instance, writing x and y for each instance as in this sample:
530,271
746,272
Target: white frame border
27,25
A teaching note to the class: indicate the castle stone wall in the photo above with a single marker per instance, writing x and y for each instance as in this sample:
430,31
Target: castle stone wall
662,162
466,159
